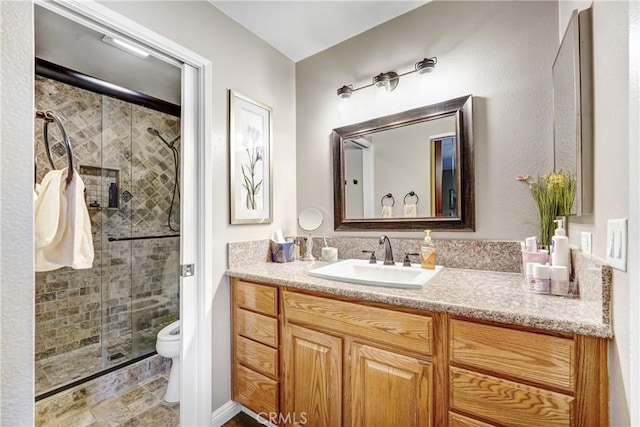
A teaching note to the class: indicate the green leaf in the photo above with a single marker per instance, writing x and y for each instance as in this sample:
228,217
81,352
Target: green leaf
257,189
246,181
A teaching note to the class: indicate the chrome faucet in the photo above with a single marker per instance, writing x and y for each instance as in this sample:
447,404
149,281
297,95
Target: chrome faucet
388,253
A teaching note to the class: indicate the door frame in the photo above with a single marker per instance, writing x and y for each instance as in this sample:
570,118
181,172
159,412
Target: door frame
196,299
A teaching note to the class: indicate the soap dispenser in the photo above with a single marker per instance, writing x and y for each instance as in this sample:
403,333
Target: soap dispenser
428,252
560,246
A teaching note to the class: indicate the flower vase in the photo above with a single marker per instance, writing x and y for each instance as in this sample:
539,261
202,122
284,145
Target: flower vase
547,227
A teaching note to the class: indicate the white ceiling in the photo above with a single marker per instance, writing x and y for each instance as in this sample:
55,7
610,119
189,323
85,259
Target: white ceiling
67,43
300,29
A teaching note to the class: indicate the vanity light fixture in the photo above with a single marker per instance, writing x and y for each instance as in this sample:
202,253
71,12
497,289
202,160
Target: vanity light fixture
126,46
389,80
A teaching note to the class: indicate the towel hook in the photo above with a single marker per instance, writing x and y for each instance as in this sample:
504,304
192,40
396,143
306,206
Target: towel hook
388,196
49,117
411,194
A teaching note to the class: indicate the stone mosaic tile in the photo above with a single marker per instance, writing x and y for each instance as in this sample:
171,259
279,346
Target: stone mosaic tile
113,411
139,400
112,399
83,418
164,414
80,308
156,386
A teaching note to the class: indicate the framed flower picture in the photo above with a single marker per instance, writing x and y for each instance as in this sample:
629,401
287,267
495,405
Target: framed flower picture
250,165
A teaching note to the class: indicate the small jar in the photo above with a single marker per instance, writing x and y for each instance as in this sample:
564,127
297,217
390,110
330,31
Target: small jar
541,279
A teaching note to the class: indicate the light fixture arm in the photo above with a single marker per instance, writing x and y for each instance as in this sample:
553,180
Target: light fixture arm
390,77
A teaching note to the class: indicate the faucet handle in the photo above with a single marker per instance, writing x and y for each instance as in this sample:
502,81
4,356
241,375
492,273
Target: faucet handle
372,258
407,261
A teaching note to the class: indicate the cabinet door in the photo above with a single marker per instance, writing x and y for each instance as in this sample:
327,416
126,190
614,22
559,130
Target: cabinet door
389,389
312,366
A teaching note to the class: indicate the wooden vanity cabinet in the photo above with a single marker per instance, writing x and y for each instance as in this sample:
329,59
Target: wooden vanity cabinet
325,361
355,365
255,346
501,375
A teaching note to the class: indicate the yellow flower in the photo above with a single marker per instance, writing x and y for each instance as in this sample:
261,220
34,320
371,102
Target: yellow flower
556,179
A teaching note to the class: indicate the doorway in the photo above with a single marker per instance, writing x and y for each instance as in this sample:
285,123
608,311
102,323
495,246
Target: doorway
195,183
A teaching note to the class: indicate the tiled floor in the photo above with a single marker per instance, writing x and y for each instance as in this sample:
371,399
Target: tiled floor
62,369
141,406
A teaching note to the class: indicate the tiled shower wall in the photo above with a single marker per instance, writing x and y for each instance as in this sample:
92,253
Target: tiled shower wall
133,285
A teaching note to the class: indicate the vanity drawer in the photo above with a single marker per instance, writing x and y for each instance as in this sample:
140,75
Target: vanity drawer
457,420
257,327
529,356
401,330
260,298
506,402
257,356
255,391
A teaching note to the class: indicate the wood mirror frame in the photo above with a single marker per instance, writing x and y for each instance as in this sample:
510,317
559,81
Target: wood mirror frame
465,221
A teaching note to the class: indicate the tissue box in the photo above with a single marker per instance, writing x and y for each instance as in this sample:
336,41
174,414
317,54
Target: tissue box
282,252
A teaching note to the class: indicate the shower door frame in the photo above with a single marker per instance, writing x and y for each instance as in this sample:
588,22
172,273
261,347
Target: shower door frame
196,299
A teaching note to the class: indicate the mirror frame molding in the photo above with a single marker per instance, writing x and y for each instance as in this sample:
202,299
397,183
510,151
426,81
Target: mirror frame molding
465,221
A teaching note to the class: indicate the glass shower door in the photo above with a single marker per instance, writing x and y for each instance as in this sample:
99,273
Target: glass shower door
115,199
155,218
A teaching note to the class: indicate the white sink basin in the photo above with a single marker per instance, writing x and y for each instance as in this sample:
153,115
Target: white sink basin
361,272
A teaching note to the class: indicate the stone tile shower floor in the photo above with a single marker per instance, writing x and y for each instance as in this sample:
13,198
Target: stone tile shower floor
57,371
142,406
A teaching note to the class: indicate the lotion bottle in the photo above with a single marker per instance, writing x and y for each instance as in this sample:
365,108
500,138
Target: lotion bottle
428,252
560,247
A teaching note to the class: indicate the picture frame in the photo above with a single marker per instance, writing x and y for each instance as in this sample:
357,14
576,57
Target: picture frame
250,160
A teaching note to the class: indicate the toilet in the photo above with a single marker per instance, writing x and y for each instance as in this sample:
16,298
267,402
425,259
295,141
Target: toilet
168,345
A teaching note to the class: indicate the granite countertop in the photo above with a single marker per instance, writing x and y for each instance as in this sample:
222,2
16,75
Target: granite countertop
476,294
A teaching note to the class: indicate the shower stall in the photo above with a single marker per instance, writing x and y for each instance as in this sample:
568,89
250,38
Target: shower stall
128,156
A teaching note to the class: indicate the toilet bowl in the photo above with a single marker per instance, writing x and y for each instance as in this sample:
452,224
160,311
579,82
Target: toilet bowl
168,345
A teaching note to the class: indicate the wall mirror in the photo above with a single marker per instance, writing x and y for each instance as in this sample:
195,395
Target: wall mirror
573,108
406,171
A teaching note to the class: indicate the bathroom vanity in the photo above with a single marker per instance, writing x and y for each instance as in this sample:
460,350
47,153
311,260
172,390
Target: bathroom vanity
470,349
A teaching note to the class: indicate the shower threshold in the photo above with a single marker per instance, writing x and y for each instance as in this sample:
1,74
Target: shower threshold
84,373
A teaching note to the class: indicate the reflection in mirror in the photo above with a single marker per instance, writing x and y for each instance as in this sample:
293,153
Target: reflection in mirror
573,108
391,164
410,170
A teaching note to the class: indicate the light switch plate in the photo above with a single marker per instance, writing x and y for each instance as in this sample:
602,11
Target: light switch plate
617,243
586,241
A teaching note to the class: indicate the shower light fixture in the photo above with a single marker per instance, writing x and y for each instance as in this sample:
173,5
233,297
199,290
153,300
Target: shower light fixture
126,46
389,80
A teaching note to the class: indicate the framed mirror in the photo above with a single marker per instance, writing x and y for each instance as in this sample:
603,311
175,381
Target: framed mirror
406,171
573,109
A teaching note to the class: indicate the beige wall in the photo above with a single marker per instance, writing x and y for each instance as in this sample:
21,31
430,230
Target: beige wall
501,52
16,228
244,63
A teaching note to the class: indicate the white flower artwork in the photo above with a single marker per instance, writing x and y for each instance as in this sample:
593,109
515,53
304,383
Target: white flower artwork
250,161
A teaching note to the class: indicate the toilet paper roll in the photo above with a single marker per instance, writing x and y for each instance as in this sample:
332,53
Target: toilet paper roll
329,254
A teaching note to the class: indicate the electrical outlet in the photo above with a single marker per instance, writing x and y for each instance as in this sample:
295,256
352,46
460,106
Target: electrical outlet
586,240
617,243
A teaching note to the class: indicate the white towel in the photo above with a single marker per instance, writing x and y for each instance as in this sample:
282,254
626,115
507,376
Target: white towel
411,210
387,211
62,225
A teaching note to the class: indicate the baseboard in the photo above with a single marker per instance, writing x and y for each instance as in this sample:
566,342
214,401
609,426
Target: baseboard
225,413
